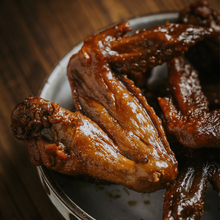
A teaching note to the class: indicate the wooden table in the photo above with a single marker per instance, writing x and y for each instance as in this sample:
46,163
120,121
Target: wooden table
34,36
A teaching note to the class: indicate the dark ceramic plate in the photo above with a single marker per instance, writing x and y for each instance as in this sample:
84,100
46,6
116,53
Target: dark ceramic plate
77,199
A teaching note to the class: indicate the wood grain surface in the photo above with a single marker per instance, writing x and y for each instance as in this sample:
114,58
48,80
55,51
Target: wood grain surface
34,36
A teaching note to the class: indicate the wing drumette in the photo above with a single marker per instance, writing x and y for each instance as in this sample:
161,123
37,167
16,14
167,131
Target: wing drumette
193,125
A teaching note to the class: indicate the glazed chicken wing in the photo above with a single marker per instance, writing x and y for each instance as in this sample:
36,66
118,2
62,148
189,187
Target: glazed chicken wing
184,199
206,54
191,122
118,107
113,101
123,141
115,135
149,48
72,144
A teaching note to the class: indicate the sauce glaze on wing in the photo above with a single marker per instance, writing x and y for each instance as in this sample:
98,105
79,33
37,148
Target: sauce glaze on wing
184,199
72,144
190,120
206,54
119,108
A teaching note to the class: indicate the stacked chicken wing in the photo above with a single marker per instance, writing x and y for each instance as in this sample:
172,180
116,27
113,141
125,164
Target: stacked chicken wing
115,134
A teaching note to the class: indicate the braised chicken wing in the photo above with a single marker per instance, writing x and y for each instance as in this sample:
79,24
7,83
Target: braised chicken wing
136,55
206,54
191,122
149,48
118,107
120,123
72,144
184,199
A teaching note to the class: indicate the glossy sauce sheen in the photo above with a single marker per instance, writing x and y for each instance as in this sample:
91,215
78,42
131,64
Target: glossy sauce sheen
184,199
205,55
117,105
137,54
191,122
72,144
116,136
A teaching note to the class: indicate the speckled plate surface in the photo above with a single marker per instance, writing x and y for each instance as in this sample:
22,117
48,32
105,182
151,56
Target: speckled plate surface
77,199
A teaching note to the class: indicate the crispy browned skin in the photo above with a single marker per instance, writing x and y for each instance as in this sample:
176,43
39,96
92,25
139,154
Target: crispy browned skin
71,143
119,108
205,55
191,122
184,199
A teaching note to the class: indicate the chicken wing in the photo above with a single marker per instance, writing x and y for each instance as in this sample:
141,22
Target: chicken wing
136,55
184,199
191,122
205,55
149,48
118,107
72,144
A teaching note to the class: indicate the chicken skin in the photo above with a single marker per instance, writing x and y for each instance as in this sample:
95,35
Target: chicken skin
113,101
191,122
149,48
184,199
70,143
206,54
114,134
136,55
